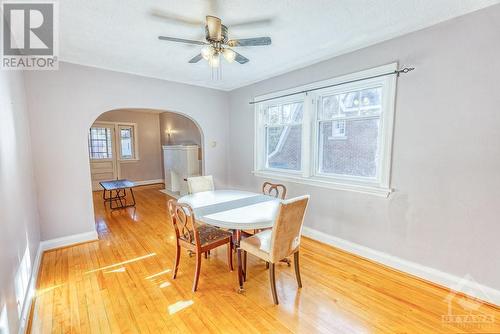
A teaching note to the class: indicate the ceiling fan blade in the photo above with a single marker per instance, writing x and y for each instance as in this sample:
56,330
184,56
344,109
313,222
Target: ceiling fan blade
252,23
181,40
250,41
196,58
241,59
174,18
214,28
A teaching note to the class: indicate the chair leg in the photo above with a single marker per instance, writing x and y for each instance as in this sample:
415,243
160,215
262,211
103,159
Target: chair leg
297,269
240,271
245,265
267,265
230,256
206,255
197,272
176,263
272,280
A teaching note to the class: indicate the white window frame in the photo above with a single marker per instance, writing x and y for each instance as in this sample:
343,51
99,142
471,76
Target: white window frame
116,147
133,126
379,185
260,138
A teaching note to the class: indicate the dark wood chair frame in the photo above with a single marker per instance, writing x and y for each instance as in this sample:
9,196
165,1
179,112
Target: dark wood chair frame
274,189
187,236
277,190
242,272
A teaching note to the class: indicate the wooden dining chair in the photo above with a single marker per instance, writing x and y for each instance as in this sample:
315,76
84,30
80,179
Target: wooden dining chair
281,241
274,189
198,184
197,238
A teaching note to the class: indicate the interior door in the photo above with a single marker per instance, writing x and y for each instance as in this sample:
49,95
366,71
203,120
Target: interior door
102,153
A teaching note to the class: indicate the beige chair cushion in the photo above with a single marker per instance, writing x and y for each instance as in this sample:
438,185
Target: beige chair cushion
284,239
200,183
258,244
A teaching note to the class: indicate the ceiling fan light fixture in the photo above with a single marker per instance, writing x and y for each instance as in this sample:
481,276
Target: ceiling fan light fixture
214,61
207,52
229,54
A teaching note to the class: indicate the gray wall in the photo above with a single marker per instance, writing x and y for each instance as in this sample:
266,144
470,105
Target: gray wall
184,130
446,158
63,104
148,167
19,230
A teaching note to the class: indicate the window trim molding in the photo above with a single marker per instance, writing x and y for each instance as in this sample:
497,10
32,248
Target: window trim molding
381,183
117,142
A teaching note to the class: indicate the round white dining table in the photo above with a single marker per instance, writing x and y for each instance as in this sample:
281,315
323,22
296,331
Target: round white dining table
233,209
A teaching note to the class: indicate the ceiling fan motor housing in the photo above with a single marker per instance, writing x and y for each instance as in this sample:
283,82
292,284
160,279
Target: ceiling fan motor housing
215,30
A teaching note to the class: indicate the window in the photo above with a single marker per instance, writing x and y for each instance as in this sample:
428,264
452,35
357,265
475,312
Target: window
104,135
100,143
283,135
338,137
126,134
355,117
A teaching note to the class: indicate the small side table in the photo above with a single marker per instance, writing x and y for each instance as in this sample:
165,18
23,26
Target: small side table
119,187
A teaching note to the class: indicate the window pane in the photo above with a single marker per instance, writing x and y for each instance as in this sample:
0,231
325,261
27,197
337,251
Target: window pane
126,145
365,102
126,149
100,143
283,147
330,107
273,114
356,154
284,114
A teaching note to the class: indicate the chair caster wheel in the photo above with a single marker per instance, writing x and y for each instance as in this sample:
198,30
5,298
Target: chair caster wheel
241,290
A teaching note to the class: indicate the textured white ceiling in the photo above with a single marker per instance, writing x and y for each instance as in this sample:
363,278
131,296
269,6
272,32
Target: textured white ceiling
122,35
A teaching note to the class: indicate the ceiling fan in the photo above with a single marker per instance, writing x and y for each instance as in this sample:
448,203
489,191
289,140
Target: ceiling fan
217,42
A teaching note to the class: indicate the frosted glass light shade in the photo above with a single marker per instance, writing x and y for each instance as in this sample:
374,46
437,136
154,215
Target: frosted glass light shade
207,52
229,54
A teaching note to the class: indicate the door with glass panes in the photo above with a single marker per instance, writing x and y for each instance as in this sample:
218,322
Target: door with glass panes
102,154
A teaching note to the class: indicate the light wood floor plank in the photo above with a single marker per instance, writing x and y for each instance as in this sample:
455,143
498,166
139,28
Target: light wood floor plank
122,284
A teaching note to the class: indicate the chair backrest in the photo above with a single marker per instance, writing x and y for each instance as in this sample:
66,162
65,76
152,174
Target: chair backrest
200,183
274,189
286,232
184,222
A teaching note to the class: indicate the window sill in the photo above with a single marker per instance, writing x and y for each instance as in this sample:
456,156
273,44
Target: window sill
364,189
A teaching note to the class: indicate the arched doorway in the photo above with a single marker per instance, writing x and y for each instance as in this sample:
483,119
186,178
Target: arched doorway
127,143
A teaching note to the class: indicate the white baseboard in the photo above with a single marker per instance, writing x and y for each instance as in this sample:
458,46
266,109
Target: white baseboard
30,292
464,285
173,194
42,247
68,240
147,182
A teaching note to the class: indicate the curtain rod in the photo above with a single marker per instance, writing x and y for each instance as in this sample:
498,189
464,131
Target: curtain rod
396,72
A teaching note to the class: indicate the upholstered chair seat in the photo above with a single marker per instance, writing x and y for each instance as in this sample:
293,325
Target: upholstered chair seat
207,234
276,244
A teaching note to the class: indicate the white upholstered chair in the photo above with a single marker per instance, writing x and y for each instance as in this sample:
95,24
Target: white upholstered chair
281,241
200,183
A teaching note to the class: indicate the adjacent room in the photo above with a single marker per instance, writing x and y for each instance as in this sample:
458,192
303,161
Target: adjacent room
215,166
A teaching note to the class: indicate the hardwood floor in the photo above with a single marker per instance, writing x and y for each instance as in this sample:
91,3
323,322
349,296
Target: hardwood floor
122,284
